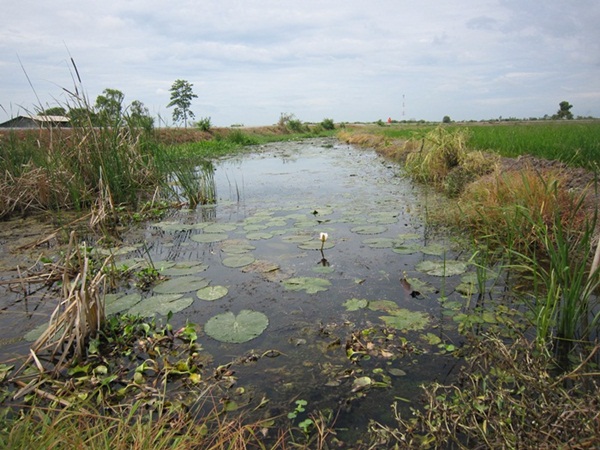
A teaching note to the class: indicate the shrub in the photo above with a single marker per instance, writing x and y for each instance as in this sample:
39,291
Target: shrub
328,124
204,124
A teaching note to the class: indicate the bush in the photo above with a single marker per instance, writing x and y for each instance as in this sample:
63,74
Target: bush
204,124
328,124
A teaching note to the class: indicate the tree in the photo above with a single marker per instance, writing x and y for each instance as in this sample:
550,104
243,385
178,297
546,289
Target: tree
110,105
139,116
55,111
446,119
564,111
181,98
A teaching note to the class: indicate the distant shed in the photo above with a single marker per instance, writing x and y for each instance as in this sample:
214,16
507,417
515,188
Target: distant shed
36,122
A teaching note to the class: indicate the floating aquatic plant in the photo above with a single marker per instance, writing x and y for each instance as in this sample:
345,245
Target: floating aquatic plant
309,284
180,285
210,293
445,268
235,329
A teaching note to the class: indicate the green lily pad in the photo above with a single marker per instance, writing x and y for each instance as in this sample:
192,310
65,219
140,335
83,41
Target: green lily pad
407,249
442,268
298,238
219,228
228,327
184,268
238,260
161,304
208,238
309,284
434,249
383,305
180,285
405,320
354,304
255,227
237,247
382,242
115,303
315,244
211,293
421,286
369,229
33,335
258,235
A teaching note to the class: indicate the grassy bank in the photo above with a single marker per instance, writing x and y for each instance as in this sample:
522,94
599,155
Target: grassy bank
536,217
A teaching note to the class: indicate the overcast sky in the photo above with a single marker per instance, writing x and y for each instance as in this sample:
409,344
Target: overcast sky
349,60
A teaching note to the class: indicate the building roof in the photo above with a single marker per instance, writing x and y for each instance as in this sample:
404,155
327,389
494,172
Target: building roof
35,120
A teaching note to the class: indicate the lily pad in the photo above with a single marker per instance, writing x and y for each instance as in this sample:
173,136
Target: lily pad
407,249
384,305
434,249
442,268
228,327
354,304
238,260
180,285
219,228
258,235
208,238
161,304
405,320
211,293
382,242
309,284
369,229
298,238
237,247
184,268
118,303
315,245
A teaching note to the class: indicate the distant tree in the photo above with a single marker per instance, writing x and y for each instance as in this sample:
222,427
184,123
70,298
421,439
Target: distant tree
81,117
564,111
110,105
139,116
446,119
181,98
55,111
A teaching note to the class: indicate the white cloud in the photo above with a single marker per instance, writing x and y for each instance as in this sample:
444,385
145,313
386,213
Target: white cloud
251,60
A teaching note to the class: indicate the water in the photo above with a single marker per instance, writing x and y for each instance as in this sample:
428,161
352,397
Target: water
321,347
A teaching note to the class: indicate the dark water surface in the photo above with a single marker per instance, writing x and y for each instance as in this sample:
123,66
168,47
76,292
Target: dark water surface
278,200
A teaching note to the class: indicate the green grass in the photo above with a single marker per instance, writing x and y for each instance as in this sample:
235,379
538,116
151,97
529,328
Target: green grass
576,143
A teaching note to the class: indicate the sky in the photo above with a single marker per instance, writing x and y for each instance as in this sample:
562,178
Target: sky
351,61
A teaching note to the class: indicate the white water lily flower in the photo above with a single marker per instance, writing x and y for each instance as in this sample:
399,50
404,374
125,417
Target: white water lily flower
323,237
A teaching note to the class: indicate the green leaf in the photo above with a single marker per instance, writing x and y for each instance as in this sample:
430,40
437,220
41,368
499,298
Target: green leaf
161,304
238,260
118,303
405,320
442,268
309,284
184,268
180,285
210,293
369,229
354,304
228,327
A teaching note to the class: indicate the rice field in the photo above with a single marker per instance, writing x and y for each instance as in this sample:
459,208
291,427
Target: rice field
574,142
